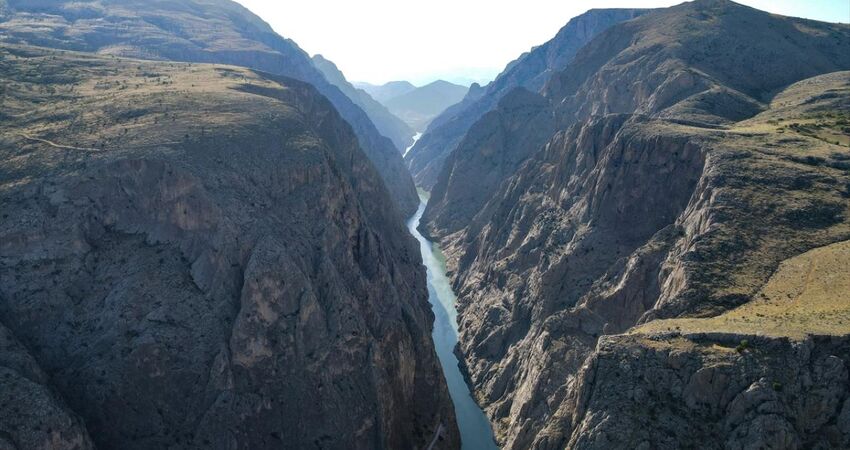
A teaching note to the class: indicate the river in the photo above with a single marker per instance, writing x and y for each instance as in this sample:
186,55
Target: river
407,150
475,431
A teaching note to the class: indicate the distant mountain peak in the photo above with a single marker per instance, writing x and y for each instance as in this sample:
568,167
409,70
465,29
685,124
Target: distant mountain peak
388,124
419,106
321,58
441,83
530,70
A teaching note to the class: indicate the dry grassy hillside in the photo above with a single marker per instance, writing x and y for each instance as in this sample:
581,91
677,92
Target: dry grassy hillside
205,31
805,129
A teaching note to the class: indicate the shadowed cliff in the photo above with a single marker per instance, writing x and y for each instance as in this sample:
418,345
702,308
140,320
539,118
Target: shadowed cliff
199,256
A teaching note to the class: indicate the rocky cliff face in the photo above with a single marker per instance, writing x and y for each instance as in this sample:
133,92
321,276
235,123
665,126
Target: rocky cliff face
674,185
491,151
529,71
691,64
771,373
208,31
386,123
200,256
700,392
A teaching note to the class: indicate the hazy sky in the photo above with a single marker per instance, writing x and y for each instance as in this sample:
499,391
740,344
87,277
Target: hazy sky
422,40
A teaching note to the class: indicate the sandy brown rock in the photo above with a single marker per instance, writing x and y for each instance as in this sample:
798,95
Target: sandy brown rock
706,62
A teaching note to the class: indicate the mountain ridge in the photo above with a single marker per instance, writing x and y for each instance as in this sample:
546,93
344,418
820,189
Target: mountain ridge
669,188
388,124
206,31
445,132
419,106
387,90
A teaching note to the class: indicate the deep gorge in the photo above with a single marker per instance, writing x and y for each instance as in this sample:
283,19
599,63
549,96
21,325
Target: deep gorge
475,431
636,235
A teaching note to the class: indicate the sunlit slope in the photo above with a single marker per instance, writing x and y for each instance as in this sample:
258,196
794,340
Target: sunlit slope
206,31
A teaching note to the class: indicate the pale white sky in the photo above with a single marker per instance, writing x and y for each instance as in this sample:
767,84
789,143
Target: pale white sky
423,40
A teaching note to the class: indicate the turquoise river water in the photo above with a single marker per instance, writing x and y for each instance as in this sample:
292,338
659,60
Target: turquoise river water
475,431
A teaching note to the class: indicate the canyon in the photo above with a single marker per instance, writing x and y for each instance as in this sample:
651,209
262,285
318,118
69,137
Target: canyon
655,181
635,236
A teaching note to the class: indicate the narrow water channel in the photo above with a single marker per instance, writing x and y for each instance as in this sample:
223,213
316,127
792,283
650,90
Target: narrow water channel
415,138
475,431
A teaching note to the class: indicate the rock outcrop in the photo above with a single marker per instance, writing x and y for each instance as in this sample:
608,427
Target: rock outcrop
529,71
675,183
197,256
206,31
675,392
